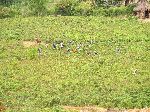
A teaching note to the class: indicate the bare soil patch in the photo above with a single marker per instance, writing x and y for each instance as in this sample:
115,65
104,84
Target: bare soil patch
98,109
27,44
144,20
85,109
2,108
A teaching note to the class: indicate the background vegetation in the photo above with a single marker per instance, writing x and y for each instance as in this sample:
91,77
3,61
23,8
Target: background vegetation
11,8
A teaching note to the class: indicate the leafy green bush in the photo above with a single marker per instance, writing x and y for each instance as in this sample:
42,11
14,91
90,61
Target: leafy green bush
114,11
36,7
129,8
6,12
66,7
62,7
51,9
99,12
25,7
74,7
6,2
84,8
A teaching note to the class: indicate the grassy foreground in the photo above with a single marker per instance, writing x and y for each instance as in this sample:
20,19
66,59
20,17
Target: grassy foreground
117,75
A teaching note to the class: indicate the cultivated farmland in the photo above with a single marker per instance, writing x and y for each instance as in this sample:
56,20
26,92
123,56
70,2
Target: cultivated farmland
79,61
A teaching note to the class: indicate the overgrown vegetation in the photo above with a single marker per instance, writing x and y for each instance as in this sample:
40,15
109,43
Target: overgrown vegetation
63,7
117,75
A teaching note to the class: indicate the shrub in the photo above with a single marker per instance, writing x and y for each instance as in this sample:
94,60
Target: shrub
66,7
26,11
6,2
6,12
114,11
51,9
99,12
129,8
36,7
62,7
84,8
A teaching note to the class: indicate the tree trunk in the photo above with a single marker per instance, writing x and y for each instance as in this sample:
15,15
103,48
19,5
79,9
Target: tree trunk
127,2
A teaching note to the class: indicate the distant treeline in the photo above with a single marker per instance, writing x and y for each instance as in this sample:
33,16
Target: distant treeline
11,8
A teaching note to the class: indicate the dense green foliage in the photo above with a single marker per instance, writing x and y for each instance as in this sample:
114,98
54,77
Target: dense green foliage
117,76
114,11
62,7
37,7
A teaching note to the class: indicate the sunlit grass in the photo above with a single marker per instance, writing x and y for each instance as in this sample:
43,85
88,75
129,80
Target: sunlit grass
117,76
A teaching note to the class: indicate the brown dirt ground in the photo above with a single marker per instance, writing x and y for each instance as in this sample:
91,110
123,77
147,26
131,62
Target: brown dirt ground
27,44
144,20
98,109
2,108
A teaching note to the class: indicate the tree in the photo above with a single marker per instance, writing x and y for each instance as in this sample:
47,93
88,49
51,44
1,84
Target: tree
6,2
36,6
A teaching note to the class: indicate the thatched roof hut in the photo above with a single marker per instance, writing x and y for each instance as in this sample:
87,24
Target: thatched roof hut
142,9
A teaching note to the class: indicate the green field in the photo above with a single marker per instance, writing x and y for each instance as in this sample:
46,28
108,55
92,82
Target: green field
111,69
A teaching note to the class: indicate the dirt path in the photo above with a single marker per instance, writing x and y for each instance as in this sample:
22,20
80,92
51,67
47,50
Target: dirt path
98,109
